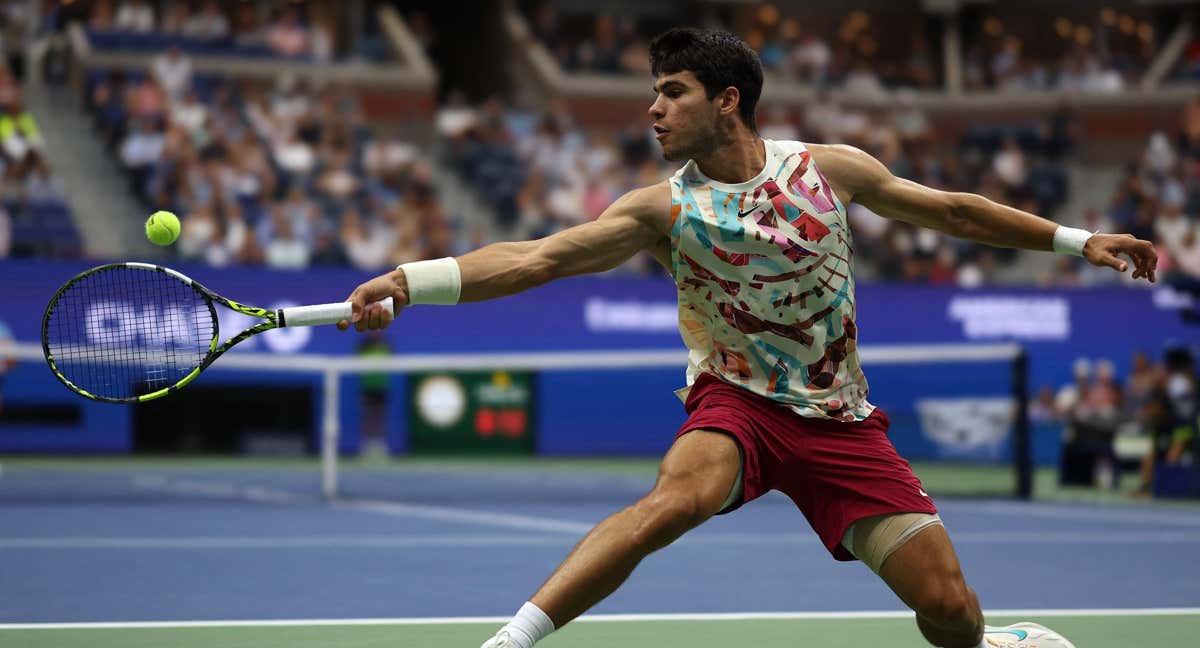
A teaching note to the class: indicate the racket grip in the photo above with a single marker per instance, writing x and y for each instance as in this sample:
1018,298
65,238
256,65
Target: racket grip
322,314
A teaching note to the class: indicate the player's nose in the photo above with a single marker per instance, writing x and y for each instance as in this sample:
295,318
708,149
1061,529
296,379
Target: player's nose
656,110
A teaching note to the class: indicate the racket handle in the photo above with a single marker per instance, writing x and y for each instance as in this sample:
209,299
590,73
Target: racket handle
322,314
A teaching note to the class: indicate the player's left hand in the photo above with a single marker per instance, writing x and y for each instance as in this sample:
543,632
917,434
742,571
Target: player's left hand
1106,250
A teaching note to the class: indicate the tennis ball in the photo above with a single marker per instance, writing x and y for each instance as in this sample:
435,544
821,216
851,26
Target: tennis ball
162,228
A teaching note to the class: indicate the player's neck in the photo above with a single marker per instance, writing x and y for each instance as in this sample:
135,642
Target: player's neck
737,161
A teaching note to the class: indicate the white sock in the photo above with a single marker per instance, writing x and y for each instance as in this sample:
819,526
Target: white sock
529,625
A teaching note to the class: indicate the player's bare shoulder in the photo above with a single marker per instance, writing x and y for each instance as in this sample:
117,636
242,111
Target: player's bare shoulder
850,170
649,206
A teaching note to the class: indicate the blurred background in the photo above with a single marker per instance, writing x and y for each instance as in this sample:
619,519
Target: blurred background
442,468
307,145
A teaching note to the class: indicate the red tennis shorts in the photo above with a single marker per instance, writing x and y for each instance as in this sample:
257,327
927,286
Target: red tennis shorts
835,472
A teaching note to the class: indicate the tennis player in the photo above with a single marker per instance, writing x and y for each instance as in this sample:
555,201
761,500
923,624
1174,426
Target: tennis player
755,234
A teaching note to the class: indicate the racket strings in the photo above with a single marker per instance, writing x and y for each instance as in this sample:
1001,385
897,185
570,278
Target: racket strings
127,331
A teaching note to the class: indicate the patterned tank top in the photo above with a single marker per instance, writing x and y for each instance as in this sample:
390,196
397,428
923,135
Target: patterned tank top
766,292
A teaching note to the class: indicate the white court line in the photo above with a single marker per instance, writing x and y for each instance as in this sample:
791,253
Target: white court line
593,618
454,514
494,540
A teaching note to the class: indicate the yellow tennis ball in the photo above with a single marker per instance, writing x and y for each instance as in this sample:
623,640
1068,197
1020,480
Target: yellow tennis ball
162,228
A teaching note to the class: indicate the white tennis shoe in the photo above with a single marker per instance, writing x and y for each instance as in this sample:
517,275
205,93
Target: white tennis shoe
1024,635
501,640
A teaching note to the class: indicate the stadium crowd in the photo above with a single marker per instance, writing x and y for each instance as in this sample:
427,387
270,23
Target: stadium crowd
1158,198
304,30
1158,400
1100,50
288,175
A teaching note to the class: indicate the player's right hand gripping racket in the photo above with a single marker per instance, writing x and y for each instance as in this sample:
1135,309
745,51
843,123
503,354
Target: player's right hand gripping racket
133,332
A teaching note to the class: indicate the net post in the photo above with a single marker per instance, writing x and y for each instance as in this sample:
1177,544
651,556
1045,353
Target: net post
1022,459
329,434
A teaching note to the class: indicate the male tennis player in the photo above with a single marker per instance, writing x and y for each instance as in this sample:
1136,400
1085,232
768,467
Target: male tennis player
754,232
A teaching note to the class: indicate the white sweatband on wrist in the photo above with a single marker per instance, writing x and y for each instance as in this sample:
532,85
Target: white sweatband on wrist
433,282
1069,240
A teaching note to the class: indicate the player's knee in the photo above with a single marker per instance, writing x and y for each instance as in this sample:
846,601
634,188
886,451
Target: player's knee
667,514
951,606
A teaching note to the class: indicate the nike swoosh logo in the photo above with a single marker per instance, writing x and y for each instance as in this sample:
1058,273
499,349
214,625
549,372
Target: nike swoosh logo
743,214
1021,635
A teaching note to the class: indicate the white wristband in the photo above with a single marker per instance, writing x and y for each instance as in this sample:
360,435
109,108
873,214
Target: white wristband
433,282
1070,240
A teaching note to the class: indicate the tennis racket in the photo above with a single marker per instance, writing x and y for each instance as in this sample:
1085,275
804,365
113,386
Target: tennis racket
134,332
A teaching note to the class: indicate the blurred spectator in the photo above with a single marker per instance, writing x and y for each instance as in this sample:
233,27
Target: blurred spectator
339,181
101,16
287,37
1182,400
21,141
294,155
1140,392
1090,408
209,23
134,16
1009,164
373,388
173,19
285,250
190,115
811,58
1174,412
199,226
17,24
367,243
145,99
1186,256
1042,407
247,33
173,71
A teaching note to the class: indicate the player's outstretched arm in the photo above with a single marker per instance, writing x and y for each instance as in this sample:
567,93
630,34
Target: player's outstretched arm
863,179
635,222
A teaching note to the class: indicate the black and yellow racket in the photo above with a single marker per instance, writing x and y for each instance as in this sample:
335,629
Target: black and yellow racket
133,332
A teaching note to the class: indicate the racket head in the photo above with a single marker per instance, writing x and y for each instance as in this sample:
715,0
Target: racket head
129,332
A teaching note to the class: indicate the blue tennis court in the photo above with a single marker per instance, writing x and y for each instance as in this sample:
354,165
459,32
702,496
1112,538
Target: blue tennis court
447,546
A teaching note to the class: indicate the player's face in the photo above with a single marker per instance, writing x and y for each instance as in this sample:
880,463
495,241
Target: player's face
685,119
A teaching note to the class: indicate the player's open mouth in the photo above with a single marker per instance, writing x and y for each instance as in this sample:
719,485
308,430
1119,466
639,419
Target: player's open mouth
660,132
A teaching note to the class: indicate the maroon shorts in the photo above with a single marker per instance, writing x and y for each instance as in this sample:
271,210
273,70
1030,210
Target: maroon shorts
835,472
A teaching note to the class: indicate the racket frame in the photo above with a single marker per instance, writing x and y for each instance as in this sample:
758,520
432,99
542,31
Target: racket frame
271,321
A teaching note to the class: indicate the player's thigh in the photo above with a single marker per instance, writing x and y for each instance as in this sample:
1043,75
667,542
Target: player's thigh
702,464
925,569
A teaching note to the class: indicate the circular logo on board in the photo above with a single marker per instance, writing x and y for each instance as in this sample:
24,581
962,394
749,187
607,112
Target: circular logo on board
441,400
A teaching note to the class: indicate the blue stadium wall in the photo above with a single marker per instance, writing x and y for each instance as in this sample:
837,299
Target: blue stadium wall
610,412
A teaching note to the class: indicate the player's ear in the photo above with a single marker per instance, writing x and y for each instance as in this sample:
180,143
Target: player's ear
728,101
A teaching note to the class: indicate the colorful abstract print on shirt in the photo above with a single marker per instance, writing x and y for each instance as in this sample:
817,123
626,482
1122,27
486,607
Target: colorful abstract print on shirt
766,292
